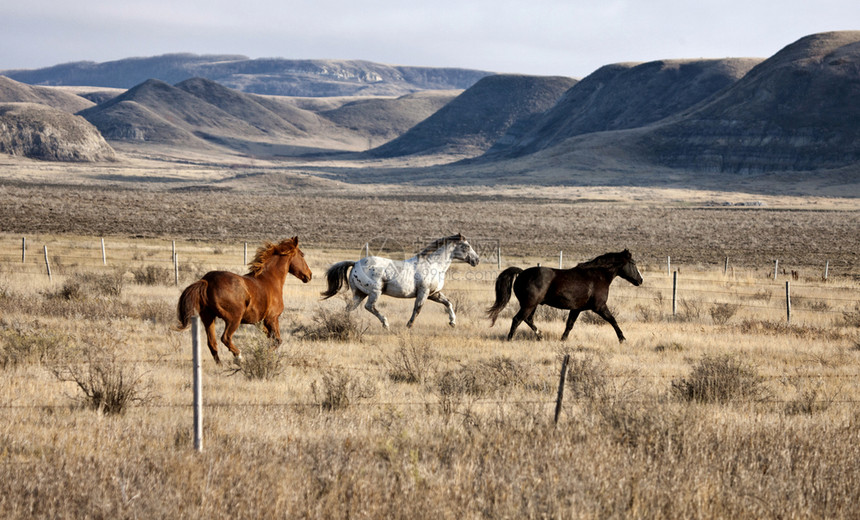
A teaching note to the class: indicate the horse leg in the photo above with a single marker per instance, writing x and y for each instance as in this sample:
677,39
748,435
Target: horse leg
603,312
420,298
530,321
208,321
357,297
273,331
371,307
440,298
227,339
518,318
571,319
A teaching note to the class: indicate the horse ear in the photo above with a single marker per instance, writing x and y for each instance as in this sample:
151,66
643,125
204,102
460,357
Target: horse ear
295,240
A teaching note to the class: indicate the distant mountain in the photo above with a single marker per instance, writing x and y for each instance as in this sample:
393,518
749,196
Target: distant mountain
41,132
200,112
274,76
15,92
625,95
798,110
475,119
383,119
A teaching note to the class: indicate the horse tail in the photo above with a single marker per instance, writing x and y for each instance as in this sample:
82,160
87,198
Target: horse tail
192,299
504,283
337,275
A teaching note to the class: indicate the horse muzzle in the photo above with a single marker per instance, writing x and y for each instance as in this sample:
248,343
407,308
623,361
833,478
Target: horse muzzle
473,260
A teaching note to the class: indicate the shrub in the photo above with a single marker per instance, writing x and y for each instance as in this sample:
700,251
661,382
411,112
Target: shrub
152,275
109,385
414,361
851,318
810,396
332,325
587,378
20,344
261,359
463,305
338,389
720,379
721,313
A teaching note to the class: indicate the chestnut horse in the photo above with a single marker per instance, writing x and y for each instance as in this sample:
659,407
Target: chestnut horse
584,287
252,298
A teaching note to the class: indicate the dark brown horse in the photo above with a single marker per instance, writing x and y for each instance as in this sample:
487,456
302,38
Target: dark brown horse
252,298
581,288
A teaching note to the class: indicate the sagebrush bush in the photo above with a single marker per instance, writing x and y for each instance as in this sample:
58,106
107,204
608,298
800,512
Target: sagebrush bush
332,325
108,384
29,343
153,275
261,360
338,388
587,378
414,361
720,379
721,313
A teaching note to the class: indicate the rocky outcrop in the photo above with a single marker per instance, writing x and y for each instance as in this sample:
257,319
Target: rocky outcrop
41,132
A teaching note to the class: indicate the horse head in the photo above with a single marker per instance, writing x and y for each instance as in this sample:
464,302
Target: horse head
629,271
463,251
298,267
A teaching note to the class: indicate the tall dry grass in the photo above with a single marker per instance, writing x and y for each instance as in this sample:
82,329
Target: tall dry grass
433,421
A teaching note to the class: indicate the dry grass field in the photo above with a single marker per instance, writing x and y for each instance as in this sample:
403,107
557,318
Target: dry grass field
721,410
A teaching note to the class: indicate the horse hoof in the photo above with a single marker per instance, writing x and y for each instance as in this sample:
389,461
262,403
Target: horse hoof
238,360
453,324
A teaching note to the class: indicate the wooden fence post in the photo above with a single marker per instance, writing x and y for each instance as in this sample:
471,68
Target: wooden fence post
675,293
775,267
726,267
560,259
245,255
197,383
104,256
668,265
826,269
175,269
561,387
499,256
787,303
48,265
24,250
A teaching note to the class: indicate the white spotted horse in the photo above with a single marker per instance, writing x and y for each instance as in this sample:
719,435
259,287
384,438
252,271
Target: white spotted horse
421,277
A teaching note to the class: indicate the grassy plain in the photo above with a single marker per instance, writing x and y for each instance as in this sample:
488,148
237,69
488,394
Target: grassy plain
430,422
719,409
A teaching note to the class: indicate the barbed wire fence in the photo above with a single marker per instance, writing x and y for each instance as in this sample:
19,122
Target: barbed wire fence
832,290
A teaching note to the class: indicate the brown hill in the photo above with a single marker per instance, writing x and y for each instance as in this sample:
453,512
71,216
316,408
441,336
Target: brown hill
42,132
797,110
383,119
475,119
625,95
12,91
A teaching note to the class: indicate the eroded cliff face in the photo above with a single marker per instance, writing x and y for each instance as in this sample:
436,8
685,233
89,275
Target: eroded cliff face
799,110
41,132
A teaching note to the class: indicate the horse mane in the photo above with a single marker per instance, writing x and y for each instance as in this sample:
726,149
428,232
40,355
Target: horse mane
606,260
266,252
436,244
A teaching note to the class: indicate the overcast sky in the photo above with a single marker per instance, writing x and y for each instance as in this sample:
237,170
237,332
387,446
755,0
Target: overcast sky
544,37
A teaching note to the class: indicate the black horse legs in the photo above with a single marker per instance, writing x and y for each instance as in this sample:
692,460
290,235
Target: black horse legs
525,314
571,319
604,313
